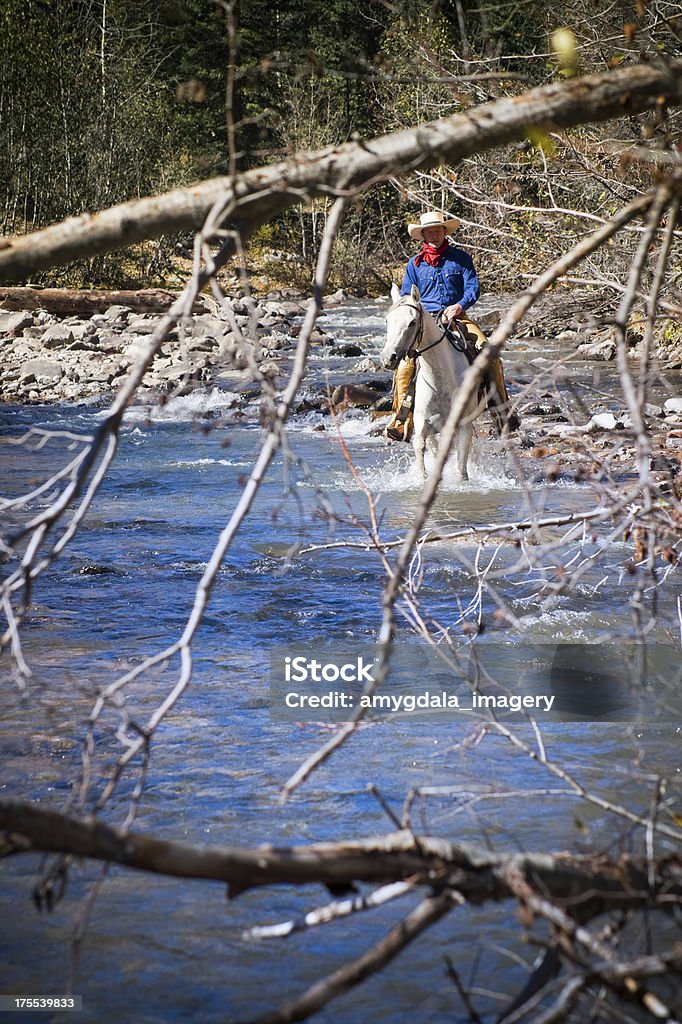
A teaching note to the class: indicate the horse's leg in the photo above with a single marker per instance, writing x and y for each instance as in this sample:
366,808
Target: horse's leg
464,436
419,449
419,444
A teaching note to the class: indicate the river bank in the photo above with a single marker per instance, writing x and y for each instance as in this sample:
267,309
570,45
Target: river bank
50,359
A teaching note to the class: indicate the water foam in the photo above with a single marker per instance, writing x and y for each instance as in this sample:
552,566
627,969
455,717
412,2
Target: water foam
190,463
185,408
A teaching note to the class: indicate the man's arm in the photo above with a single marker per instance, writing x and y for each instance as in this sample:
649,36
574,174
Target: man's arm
472,289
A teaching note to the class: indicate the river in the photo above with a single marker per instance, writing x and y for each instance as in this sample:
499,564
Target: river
166,950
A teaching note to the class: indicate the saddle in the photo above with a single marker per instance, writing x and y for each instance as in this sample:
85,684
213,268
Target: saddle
464,341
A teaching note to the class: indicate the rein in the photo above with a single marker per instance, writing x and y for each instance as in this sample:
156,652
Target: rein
415,351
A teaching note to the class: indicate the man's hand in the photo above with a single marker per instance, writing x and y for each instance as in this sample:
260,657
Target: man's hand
452,313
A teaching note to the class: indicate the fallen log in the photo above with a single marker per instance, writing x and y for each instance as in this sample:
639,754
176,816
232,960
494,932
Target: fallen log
83,302
254,197
593,884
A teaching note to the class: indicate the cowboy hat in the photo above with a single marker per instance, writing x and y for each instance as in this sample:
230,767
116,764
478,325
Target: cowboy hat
435,219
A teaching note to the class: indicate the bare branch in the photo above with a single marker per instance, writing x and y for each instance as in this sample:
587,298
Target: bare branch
430,910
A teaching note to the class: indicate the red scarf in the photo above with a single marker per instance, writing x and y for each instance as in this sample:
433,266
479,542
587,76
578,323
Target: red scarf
431,254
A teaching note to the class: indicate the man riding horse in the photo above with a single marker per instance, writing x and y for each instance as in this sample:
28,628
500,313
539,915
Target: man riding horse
448,286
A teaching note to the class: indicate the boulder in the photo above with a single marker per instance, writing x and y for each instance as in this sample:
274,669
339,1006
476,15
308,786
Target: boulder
205,326
601,346
14,323
673,405
359,395
34,369
143,324
347,351
117,314
57,336
487,321
604,421
335,297
367,365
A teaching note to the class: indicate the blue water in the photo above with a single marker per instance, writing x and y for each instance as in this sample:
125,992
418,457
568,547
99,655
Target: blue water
167,950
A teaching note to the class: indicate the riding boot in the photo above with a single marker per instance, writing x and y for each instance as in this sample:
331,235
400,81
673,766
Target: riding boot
401,425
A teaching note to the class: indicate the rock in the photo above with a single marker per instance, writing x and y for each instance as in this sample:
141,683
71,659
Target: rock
36,368
319,337
367,365
652,410
338,296
347,351
117,314
291,308
57,336
143,324
205,326
179,373
14,323
202,344
358,395
604,421
600,347
487,321
673,405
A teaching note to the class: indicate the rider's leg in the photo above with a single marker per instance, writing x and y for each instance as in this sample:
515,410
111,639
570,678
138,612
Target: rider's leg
400,427
498,402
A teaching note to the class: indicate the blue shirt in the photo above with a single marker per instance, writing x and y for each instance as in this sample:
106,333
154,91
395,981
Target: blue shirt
453,280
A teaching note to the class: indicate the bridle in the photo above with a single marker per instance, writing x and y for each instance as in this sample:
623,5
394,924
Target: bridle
414,351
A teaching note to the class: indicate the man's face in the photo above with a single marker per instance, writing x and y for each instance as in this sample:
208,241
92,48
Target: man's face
434,235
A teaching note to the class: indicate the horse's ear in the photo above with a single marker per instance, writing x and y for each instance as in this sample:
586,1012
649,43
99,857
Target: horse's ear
414,294
395,294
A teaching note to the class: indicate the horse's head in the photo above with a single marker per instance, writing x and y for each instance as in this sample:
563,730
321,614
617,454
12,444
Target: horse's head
403,322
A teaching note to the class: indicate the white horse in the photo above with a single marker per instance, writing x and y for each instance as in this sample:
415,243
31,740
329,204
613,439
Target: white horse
440,368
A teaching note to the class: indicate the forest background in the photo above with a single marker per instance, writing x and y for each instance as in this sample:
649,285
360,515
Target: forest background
103,101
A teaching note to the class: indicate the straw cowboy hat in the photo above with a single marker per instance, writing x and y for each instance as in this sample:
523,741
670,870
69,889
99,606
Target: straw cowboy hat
435,219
